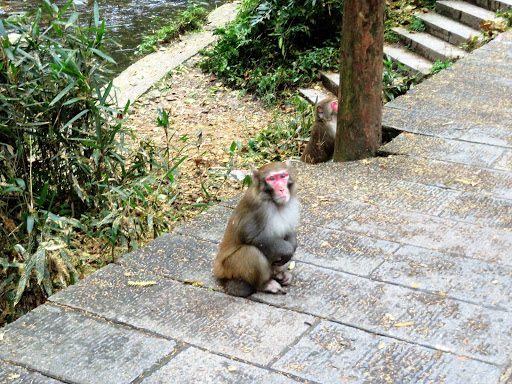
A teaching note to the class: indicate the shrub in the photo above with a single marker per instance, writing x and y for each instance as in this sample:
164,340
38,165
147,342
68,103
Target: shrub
275,44
68,167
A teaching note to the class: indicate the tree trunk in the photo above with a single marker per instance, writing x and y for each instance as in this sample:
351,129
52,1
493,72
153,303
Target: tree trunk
359,131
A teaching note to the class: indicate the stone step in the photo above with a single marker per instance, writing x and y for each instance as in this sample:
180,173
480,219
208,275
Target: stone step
501,5
331,81
447,29
415,64
431,47
464,12
493,5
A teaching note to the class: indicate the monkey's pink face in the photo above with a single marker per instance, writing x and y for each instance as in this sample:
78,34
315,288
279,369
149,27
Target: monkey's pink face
334,106
279,183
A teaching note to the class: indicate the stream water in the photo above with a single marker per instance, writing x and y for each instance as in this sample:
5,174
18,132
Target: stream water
128,20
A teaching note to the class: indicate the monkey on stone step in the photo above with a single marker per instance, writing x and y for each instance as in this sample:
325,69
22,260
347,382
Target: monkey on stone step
260,237
320,147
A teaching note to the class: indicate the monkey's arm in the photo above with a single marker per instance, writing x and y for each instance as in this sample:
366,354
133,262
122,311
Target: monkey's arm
292,238
276,249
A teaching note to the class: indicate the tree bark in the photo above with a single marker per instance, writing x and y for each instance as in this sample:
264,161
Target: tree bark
359,131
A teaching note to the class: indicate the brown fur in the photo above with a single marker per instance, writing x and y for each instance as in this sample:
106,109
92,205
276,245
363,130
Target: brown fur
240,264
320,147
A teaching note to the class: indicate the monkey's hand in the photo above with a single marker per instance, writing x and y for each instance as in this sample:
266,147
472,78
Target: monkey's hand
284,277
274,287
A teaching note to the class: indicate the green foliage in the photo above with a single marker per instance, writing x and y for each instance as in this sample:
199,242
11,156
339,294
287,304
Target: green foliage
67,164
395,79
188,20
276,44
472,43
506,16
391,36
286,136
416,24
440,65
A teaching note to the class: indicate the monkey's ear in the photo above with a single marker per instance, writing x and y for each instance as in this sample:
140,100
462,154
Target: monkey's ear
320,109
255,174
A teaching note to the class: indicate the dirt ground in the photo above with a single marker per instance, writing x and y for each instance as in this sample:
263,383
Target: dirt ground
212,115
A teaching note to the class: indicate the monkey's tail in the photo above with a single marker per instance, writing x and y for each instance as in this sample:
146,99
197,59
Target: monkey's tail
239,288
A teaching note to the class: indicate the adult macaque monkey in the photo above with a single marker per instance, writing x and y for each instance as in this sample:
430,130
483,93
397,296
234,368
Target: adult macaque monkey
320,147
260,237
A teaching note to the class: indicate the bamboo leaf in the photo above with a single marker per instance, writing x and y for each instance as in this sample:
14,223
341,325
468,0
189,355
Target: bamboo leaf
100,32
9,54
43,194
30,224
96,14
67,261
72,19
106,92
40,257
79,115
3,32
64,8
22,282
62,93
35,25
71,101
103,55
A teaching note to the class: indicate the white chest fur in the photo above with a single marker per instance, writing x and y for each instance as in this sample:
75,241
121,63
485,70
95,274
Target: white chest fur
284,220
332,125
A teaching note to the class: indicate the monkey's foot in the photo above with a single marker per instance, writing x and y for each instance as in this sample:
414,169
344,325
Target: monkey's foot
273,287
284,277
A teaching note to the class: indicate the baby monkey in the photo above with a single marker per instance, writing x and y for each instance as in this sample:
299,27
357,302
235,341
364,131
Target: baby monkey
260,237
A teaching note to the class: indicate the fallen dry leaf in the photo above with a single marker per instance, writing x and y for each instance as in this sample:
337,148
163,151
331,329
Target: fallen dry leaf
140,283
404,324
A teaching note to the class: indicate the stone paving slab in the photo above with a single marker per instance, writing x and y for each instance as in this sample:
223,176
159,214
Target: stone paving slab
505,161
342,251
443,174
12,374
80,349
474,129
448,236
200,367
366,188
461,177
179,257
334,353
386,192
479,155
464,279
430,320
247,330
209,225
484,210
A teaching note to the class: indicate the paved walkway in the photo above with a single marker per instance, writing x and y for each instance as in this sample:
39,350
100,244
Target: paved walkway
403,270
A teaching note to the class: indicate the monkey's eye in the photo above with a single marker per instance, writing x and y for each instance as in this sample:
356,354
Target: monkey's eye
271,178
284,175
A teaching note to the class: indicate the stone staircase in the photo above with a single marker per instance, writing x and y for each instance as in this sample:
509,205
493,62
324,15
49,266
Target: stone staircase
453,24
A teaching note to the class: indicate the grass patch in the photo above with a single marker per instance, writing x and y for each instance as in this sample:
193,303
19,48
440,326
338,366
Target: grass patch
188,20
